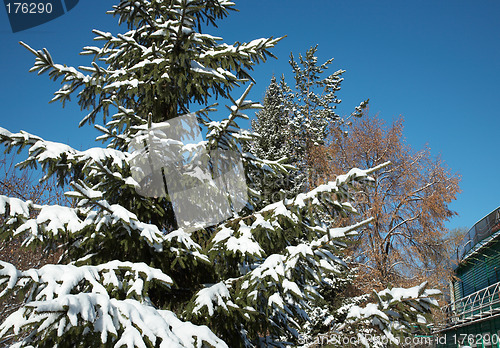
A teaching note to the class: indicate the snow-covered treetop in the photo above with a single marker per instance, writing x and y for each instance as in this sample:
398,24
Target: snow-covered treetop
161,65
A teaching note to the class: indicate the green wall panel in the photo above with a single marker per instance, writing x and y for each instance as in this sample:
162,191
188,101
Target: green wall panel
478,271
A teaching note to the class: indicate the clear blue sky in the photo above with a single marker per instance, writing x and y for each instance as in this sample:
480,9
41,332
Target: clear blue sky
437,63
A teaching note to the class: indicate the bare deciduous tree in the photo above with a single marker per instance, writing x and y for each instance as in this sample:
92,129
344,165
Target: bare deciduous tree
407,241
24,184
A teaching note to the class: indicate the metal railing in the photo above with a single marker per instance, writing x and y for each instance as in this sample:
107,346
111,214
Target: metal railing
477,306
484,228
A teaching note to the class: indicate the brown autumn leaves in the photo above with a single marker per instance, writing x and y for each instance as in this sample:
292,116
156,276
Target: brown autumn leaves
407,242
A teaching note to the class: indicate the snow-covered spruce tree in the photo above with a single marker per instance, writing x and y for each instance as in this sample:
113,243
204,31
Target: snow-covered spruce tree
272,121
133,273
315,104
273,142
293,123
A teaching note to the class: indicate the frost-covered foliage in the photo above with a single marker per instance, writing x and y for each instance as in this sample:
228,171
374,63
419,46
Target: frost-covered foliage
394,313
274,142
324,313
315,97
128,275
108,302
271,123
315,101
380,319
295,121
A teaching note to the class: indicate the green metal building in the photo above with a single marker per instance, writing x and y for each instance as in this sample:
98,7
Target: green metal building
472,318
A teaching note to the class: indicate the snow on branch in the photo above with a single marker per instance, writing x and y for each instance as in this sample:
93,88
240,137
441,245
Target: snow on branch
48,220
53,281
179,242
212,297
252,51
110,298
53,220
76,79
119,322
62,156
109,215
225,133
288,212
395,311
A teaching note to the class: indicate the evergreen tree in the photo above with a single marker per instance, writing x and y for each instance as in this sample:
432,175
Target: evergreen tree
272,122
273,142
315,104
133,271
293,123
315,96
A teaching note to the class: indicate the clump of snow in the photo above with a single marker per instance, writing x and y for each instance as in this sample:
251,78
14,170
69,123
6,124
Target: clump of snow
214,296
245,243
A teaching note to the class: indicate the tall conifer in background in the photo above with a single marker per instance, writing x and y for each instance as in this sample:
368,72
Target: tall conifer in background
274,142
294,123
